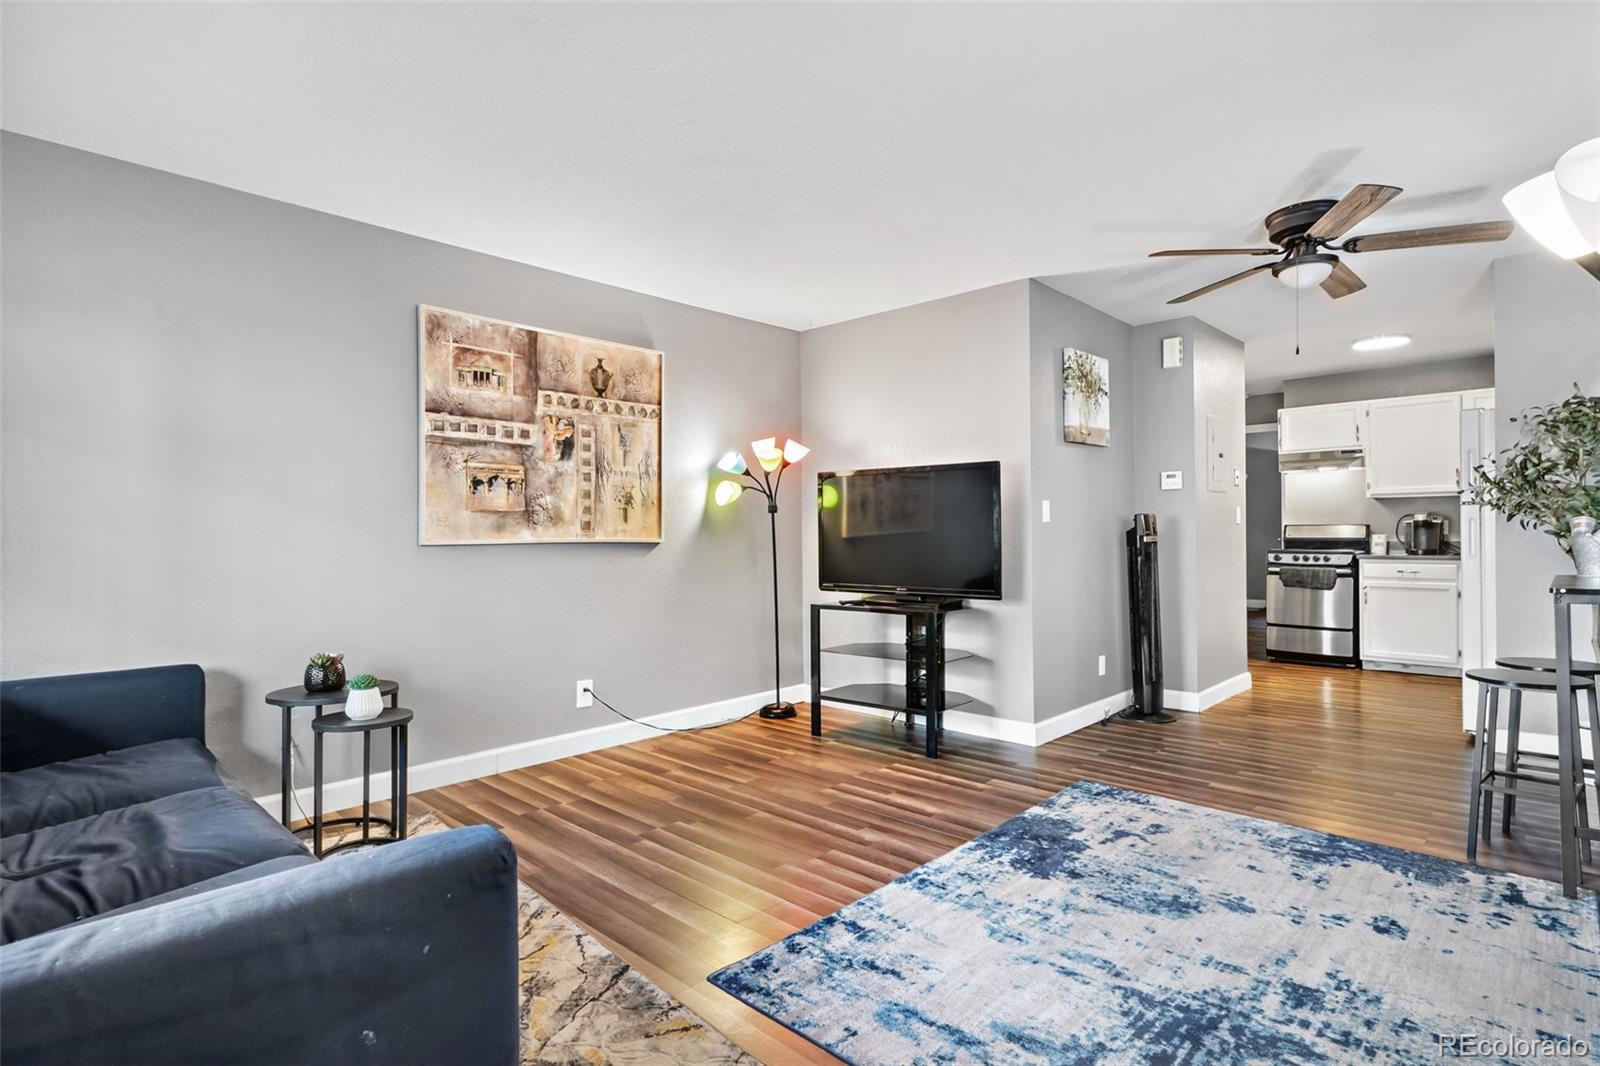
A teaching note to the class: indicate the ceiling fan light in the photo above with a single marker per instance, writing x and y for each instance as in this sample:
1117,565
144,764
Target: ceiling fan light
1578,177
1381,343
1304,275
1537,206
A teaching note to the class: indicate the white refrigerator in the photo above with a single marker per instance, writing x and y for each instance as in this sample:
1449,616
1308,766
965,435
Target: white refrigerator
1478,525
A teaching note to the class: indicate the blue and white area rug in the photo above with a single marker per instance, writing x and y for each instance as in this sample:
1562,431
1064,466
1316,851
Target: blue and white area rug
1110,926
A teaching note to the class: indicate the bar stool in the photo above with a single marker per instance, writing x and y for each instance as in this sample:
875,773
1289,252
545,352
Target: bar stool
1486,778
1580,668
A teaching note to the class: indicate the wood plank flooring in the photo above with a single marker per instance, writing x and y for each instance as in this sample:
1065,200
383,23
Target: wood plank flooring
690,851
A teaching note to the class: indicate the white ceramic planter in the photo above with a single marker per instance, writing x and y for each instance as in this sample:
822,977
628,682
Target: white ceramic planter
361,704
1586,546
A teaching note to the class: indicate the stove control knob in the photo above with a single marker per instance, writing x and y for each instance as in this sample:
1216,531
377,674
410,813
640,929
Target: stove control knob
1297,558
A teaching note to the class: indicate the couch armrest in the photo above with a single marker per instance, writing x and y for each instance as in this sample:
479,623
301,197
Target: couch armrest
403,954
52,719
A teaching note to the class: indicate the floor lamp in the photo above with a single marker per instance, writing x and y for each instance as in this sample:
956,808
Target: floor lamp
772,460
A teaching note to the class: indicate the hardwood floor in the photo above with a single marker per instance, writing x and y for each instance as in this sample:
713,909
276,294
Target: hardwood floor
690,851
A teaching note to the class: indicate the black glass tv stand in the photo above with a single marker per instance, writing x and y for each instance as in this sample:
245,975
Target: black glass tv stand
923,651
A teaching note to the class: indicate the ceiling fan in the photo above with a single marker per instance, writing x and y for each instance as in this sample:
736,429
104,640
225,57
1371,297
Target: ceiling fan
1306,235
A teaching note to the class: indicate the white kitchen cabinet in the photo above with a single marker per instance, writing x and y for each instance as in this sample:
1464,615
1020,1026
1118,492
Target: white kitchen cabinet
1413,446
1325,427
1410,615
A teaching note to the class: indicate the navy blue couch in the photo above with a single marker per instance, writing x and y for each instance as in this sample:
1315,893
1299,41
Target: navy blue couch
150,914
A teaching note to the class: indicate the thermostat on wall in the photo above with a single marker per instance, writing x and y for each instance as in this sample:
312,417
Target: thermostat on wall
1171,353
1171,479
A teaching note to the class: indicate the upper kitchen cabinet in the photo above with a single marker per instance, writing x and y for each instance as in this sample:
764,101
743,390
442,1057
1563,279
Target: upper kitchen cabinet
1413,446
1329,427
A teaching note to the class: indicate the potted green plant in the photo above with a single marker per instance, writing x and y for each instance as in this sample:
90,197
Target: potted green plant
1549,479
364,700
325,672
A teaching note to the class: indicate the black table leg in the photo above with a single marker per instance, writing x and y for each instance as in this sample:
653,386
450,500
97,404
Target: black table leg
286,767
316,795
935,683
396,823
1566,748
404,732
366,786
1508,803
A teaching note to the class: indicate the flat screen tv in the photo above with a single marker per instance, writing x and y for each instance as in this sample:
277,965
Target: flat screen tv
911,530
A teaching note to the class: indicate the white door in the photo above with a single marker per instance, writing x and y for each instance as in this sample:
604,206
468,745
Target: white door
1324,428
1414,446
1410,621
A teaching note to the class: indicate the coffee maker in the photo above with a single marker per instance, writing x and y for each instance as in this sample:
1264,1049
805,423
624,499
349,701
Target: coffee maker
1422,533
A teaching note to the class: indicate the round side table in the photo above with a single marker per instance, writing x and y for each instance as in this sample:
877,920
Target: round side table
394,719
287,699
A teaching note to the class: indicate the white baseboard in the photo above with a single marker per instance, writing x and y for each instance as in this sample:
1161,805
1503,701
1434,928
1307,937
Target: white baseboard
965,722
1178,699
1071,721
337,795
1256,605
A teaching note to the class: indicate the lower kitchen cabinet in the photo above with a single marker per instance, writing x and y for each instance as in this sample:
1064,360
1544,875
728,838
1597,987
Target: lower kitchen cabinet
1411,616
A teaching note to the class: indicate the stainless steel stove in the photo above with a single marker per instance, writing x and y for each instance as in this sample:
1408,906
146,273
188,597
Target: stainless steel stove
1311,594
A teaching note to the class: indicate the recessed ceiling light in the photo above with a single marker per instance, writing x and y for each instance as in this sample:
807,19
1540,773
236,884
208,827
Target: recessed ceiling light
1382,342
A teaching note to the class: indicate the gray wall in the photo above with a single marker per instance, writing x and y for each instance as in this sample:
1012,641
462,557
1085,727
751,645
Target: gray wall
939,382
1444,375
210,409
1262,408
1263,511
1080,595
1547,338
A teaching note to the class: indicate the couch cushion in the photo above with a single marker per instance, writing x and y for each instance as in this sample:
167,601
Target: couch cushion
66,791
57,875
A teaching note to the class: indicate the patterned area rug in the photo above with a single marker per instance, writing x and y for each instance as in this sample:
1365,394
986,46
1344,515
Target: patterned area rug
581,1004
1110,926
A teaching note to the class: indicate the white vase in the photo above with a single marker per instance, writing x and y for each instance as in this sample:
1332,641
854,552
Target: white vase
361,704
1585,546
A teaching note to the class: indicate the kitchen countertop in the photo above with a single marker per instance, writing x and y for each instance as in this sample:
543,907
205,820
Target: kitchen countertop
1393,558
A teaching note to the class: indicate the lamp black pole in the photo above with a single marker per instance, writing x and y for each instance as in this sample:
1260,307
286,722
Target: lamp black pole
769,488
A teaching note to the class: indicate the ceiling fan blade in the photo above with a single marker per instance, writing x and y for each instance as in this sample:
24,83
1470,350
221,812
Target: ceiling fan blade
1357,204
1342,282
1215,285
1218,251
1474,233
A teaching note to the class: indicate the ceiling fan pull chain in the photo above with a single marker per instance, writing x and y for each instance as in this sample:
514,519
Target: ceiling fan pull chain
1297,322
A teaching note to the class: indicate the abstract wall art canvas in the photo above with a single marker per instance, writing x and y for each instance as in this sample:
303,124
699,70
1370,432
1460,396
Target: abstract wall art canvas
529,435
1086,384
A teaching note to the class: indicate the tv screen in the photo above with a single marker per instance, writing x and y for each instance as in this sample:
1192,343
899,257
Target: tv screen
914,530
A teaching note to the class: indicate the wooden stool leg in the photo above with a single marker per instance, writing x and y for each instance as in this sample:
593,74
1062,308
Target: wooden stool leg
1475,781
1490,728
1508,803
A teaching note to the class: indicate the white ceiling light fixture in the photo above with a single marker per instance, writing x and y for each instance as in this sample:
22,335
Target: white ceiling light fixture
1305,271
1561,207
1381,343
1578,177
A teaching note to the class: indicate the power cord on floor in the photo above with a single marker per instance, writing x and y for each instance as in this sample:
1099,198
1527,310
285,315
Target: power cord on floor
294,793
669,729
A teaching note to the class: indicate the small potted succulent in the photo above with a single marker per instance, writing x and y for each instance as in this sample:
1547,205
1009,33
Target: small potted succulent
325,673
364,701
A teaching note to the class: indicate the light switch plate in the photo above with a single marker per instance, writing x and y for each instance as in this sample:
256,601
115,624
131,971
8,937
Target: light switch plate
1044,507
1171,479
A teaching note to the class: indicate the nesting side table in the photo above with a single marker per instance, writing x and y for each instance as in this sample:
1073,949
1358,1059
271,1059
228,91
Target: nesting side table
394,719
286,700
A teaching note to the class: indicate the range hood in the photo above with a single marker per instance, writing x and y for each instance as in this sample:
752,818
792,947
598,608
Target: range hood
1338,459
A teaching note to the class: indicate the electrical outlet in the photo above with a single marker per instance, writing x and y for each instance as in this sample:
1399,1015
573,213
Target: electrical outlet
1102,666
586,693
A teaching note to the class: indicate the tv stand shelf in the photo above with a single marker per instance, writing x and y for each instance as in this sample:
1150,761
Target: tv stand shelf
887,697
923,652
891,650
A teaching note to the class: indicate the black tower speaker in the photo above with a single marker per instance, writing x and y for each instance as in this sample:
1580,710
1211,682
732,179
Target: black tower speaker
1144,623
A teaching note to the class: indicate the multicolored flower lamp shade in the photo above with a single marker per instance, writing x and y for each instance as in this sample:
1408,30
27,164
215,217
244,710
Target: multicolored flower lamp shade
772,460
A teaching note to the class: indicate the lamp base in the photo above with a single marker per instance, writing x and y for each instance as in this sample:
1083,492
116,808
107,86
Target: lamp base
778,710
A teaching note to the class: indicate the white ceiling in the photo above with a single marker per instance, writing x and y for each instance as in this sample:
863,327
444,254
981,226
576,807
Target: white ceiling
803,164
